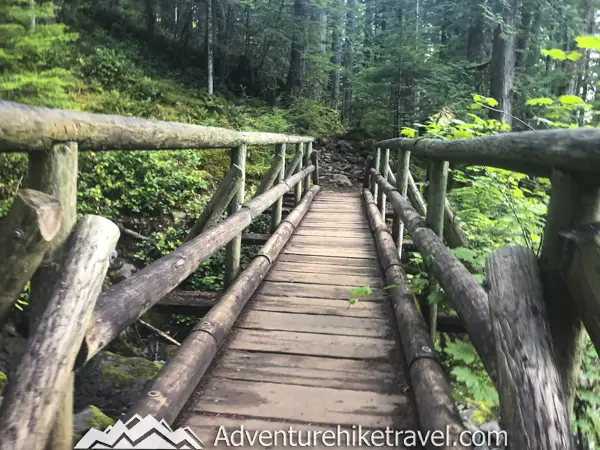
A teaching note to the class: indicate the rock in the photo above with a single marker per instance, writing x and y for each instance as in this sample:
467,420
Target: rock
341,180
343,147
178,215
123,273
12,347
90,417
490,426
113,382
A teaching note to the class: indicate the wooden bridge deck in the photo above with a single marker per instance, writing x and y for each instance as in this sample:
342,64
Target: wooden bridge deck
299,355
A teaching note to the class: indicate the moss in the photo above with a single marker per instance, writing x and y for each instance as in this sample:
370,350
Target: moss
127,372
3,382
98,419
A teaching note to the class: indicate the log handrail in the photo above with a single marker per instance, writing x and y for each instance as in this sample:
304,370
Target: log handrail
533,152
30,129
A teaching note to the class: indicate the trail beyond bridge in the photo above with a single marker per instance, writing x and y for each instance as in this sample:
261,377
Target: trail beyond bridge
321,330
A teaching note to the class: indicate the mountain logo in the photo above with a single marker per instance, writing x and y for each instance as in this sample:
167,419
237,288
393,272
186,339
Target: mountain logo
137,433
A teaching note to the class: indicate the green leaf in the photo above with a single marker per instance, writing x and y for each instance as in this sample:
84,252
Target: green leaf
409,132
363,291
461,134
477,98
539,101
555,53
588,42
570,99
574,56
491,102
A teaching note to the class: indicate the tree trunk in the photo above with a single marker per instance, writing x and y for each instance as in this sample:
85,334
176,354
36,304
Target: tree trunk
151,17
293,86
336,60
348,59
502,67
475,34
209,44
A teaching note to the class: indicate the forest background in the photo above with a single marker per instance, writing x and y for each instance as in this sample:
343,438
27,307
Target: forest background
376,68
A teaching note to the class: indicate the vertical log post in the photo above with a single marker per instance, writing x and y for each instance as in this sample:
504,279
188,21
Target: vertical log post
385,164
298,188
572,203
376,164
367,178
307,156
234,248
37,395
438,171
314,158
533,407
278,206
53,173
402,176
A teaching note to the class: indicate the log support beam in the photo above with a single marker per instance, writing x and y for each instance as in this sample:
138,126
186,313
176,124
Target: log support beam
276,211
401,183
533,405
46,370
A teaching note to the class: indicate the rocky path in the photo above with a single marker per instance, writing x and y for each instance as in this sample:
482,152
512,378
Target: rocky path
341,164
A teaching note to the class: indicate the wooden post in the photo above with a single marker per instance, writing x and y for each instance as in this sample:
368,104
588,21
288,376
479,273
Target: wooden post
533,407
307,156
26,232
53,173
314,158
33,399
298,187
376,161
271,175
572,203
367,178
402,175
278,206
385,165
435,219
292,168
229,187
453,233
234,248
172,387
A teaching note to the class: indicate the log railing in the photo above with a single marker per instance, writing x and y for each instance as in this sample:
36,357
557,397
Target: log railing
526,323
67,259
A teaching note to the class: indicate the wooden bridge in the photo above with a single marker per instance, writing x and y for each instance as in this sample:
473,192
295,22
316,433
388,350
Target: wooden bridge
287,344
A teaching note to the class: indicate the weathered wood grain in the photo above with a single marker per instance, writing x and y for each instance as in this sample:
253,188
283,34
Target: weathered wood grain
360,375
330,307
327,260
28,128
312,344
46,367
304,403
324,278
332,269
532,152
307,323
276,211
349,252
533,405
32,222
316,291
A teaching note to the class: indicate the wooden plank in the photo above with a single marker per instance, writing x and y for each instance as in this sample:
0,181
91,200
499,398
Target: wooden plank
362,375
207,427
324,278
303,403
329,260
328,232
323,269
321,251
308,323
330,307
335,227
315,291
335,218
312,344
364,242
